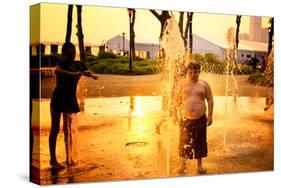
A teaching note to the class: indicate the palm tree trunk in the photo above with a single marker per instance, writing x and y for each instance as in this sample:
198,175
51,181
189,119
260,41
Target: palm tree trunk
69,23
190,32
238,21
185,35
270,36
181,23
162,19
133,35
80,33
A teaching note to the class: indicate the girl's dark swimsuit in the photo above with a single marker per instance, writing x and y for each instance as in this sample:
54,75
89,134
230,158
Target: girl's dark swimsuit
64,95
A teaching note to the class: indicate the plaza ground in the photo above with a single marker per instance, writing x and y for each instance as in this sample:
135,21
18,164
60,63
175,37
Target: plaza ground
118,139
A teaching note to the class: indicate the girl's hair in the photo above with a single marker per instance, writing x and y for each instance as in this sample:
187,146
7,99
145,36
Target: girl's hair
66,46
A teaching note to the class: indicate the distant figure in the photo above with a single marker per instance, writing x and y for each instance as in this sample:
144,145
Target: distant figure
248,60
263,63
64,101
254,62
242,60
194,122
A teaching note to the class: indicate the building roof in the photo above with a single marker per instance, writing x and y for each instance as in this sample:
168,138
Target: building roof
120,38
243,45
252,45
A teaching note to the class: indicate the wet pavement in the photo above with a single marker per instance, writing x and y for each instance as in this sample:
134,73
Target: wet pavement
118,140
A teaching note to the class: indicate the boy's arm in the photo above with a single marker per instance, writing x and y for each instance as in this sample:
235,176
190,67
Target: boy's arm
209,97
178,95
179,100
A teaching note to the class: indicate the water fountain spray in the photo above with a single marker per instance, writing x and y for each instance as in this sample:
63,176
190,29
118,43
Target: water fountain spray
231,64
269,70
269,77
174,61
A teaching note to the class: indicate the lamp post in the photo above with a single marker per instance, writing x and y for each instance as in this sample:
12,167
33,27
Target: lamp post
130,12
123,37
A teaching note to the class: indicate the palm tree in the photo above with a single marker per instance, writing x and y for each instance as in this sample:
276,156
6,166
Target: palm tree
238,21
163,17
181,22
132,34
80,33
270,35
188,29
189,22
132,56
69,23
269,66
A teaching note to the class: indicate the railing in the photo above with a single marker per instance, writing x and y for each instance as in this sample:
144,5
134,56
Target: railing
44,71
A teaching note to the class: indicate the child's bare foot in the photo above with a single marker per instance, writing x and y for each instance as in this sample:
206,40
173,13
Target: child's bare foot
201,170
56,166
181,170
72,163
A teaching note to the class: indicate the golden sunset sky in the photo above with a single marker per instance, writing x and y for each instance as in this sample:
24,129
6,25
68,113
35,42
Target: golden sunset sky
103,23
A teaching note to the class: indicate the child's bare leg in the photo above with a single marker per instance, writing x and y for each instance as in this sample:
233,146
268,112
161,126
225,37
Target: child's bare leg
200,168
55,117
182,168
70,138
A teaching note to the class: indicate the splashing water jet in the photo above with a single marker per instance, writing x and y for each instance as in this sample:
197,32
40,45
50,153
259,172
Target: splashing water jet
174,60
231,62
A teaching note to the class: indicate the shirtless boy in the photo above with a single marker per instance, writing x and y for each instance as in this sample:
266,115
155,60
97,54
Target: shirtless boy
194,120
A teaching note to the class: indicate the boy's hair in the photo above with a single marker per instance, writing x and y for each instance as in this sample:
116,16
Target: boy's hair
194,66
66,46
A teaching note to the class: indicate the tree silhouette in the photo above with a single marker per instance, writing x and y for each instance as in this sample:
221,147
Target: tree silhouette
238,21
132,33
163,17
181,22
69,23
187,33
80,33
270,35
189,23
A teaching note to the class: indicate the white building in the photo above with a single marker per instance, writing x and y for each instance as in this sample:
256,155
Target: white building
120,44
201,45
245,47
